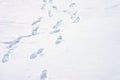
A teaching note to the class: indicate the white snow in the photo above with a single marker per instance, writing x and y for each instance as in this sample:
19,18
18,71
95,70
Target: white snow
90,49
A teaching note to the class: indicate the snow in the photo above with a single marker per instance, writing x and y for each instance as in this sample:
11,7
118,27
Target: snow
89,49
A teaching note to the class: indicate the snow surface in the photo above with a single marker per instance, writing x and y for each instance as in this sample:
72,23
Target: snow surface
64,39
